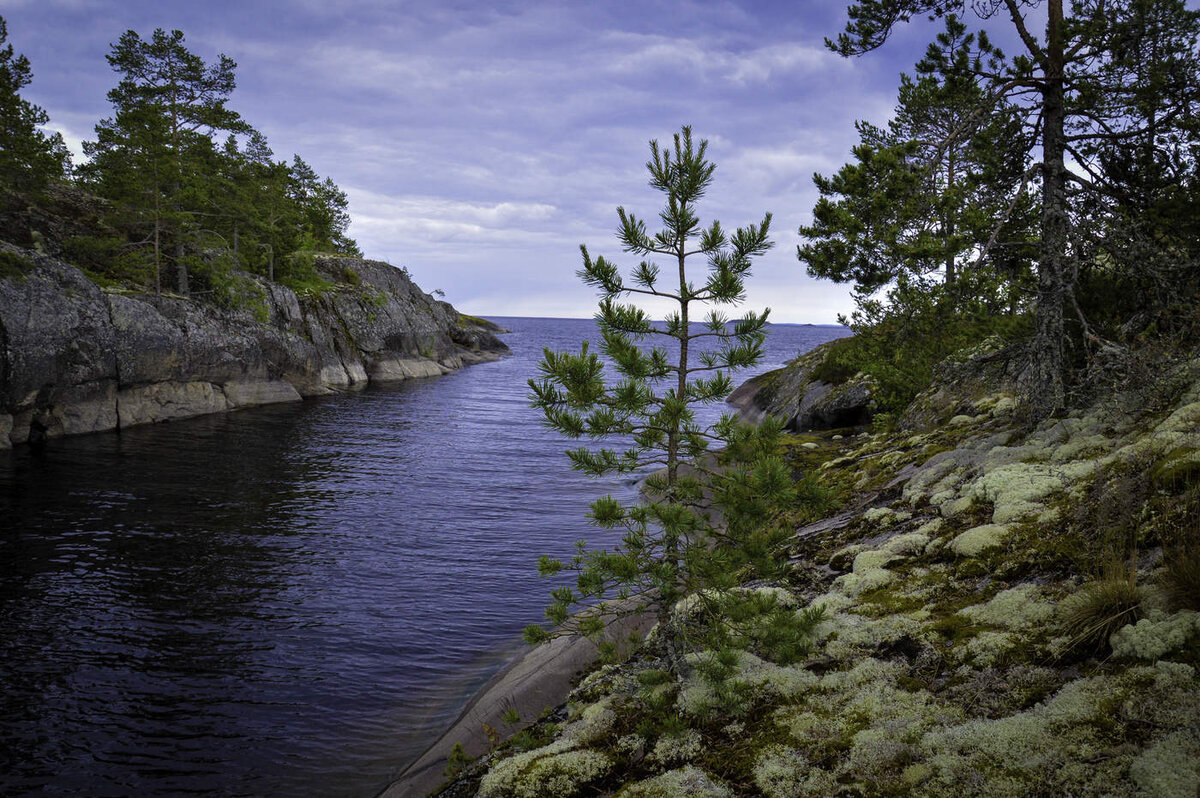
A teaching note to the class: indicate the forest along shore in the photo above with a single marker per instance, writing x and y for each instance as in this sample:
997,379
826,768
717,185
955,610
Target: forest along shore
81,358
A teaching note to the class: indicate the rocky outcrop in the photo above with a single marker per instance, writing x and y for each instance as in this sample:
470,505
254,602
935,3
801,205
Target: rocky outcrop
77,359
798,397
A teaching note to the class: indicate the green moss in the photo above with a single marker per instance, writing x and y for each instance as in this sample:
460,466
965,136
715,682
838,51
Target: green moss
1178,470
14,265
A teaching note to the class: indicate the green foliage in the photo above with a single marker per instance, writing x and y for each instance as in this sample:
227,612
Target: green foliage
921,196
1112,90
29,158
299,273
456,762
899,342
669,542
924,215
110,258
186,202
13,265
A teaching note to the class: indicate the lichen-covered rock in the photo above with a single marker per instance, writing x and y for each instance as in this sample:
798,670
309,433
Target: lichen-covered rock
76,359
986,370
689,781
557,770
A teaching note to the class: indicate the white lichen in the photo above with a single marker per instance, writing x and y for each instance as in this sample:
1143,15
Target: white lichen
782,772
1019,490
884,517
1017,608
595,721
1155,637
1170,768
856,583
689,781
674,749
988,649
874,558
909,544
979,539
553,771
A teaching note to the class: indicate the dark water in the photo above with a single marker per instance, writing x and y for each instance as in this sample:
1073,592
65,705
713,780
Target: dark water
291,600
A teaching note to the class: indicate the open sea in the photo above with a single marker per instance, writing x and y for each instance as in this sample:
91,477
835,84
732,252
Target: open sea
289,600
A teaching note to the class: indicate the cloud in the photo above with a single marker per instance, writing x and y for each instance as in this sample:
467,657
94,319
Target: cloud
481,143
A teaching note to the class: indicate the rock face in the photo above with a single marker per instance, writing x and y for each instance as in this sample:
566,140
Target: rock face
77,359
797,397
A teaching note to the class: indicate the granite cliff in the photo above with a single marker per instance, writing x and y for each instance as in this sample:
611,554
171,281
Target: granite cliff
75,358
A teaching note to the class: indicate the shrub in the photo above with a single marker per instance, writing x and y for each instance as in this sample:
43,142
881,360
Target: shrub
110,260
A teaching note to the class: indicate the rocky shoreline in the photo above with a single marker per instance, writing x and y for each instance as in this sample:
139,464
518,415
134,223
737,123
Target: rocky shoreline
976,636
76,358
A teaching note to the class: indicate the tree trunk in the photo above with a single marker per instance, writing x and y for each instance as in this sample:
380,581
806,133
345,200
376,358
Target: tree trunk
181,272
1044,377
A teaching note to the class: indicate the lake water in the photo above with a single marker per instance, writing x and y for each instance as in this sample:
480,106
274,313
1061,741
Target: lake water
291,600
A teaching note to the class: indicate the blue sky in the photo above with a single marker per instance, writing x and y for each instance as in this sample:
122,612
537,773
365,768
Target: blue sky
480,143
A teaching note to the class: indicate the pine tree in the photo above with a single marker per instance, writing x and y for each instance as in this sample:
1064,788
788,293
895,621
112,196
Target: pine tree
919,198
29,158
1070,98
647,413
155,154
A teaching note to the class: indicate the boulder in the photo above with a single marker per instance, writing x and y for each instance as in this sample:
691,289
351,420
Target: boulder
797,397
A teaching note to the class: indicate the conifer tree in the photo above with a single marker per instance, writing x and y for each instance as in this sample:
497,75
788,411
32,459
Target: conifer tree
1074,96
921,198
155,153
646,412
28,156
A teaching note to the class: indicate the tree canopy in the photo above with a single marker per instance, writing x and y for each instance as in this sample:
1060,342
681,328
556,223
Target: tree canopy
194,199
29,157
1106,102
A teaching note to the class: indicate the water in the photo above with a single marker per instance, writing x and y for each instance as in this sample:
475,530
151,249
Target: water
290,600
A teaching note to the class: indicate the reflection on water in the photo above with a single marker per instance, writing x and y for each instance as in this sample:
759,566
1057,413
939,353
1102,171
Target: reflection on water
281,601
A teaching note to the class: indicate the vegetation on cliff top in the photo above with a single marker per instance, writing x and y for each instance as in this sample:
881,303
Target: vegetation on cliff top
179,192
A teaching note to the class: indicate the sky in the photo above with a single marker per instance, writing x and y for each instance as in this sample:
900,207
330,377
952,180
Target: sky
480,142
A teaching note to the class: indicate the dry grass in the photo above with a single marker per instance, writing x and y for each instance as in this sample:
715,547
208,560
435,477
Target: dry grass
1102,606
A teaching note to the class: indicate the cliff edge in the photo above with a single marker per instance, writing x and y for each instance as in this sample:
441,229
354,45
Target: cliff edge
76,358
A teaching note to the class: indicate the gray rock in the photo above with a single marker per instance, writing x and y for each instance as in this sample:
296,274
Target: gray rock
801,401
76,359
168,401
252,394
